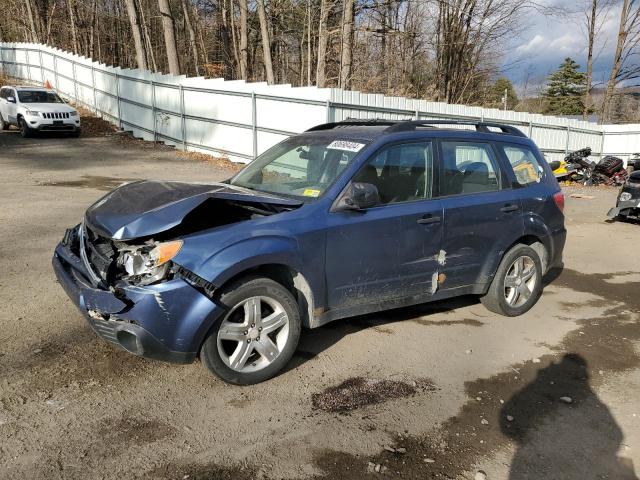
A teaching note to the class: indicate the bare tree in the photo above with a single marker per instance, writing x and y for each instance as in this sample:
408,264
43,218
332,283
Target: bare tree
32,22
141,58
192,36
244,40
625,59
323,40
72,24
168,27
347,44
594,17
266,42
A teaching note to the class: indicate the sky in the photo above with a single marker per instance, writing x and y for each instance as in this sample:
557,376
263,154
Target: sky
550,38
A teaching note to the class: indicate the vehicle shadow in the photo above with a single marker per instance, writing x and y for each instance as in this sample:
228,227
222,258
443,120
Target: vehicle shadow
315,341
552,275
562,429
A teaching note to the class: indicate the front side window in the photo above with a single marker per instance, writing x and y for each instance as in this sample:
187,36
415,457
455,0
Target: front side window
302,166
525,165
38,96
468,167
402,173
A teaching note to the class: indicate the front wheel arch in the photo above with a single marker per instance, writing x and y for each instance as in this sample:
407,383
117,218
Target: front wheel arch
290,278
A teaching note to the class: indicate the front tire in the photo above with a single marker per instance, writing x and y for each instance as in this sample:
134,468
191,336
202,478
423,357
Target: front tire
258,334
517,284
25,131
3,125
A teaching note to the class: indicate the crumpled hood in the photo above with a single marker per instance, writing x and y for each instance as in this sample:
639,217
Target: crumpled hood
145,208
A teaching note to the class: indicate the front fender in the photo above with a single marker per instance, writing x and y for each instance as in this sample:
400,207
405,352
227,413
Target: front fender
244,255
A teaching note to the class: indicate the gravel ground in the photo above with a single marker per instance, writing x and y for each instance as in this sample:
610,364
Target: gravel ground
442,390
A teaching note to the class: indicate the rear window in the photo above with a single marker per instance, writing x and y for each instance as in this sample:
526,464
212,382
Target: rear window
525,165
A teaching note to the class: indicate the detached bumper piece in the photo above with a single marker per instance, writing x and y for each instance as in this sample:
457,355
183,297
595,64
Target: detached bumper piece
134,339
167,321
629,209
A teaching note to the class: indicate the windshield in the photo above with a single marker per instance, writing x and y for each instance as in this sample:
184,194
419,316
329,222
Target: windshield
38,96
302,166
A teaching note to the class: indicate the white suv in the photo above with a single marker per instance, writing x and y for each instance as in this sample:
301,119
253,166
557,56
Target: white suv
34,109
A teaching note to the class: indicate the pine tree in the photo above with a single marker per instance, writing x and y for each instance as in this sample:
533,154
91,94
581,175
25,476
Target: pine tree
495,94
565,90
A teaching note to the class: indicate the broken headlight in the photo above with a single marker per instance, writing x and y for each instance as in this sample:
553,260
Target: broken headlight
625,196
148,263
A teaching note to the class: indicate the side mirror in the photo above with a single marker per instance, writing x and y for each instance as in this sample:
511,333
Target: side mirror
358,196
11,99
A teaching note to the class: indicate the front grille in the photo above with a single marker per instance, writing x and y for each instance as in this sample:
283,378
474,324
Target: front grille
101,254
55,115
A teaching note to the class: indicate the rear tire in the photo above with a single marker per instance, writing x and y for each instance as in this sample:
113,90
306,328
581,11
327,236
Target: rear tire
25,131
258,334
517,284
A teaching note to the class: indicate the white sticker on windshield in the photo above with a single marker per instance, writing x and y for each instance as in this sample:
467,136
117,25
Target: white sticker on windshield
345,145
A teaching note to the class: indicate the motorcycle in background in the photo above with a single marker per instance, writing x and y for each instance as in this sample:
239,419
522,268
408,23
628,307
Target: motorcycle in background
575,167
610,171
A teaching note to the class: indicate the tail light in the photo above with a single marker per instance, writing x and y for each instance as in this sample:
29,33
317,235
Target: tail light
559,199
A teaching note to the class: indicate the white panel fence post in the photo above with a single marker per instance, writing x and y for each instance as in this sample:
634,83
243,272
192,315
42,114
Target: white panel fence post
153,112
75,80
93,85
183,123
254,124
118,99
55,71
41,65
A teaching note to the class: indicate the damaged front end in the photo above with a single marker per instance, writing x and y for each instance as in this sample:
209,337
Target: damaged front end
134,297
118,264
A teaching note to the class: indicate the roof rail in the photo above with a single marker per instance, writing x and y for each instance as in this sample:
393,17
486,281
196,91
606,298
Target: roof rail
353,122
408,125
480,126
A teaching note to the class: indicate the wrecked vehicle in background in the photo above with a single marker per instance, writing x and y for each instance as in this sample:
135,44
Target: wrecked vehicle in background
628,202
345,219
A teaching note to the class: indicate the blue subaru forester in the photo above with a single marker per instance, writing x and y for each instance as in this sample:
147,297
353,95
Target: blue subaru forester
345,219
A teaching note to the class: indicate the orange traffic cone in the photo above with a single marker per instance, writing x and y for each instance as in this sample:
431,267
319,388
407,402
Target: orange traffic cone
47,85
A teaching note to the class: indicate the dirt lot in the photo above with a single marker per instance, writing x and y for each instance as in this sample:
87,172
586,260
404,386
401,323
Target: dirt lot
436,391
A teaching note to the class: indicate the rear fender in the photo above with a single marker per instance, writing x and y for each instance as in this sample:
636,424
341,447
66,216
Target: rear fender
534,227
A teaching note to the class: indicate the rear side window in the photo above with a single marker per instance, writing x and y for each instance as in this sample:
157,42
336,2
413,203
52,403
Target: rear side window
525,165
468,167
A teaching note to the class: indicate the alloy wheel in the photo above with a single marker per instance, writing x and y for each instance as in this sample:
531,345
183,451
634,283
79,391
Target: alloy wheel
520,281
253,334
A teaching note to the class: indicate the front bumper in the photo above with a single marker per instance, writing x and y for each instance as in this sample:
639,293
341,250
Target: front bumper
167,321
71,124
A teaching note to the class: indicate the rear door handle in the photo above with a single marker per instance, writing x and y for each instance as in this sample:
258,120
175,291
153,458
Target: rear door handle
427,219
509,208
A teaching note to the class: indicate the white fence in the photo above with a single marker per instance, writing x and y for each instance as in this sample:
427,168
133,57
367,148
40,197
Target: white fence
241,120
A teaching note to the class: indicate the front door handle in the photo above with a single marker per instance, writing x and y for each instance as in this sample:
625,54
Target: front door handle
509,208
427,219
